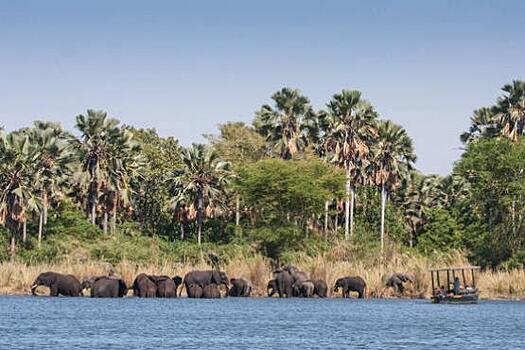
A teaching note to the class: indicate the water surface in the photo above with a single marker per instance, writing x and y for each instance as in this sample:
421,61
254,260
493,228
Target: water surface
239,323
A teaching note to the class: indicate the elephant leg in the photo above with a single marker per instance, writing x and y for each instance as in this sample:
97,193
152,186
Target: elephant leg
53,290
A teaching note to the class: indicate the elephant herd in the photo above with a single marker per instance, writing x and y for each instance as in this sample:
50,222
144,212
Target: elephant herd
198,284
287,281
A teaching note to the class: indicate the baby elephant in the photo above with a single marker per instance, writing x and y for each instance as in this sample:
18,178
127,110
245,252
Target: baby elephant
240,287
351,284
211,291
396,281
194,291
271,288
320,289
303,289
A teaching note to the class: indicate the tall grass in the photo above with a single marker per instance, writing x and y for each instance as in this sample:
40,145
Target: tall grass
16,277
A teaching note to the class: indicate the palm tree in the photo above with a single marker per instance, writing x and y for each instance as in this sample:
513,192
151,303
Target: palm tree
123,166
202,180
483,125
393,159
18,176
55,158
349,131
511,110
287,126
98,134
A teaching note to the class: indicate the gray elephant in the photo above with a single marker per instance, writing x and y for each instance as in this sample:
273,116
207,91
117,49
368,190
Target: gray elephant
320,288
284,282
106,287
204,278
144,287
194,291
397,280
211,291
351,284
166,286
240,287
59,284
303,289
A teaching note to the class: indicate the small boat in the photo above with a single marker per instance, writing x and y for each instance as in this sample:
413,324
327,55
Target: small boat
455,292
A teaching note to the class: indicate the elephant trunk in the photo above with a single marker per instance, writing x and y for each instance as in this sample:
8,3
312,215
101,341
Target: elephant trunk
33,288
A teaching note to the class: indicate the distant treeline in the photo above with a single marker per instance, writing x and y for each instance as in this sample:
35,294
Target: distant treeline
293,178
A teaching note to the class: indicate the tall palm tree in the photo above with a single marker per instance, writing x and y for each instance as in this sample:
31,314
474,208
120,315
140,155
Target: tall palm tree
202,180
483,125
393,159
18,176
287,126
349,131
98,134
123,166
511,110
55,159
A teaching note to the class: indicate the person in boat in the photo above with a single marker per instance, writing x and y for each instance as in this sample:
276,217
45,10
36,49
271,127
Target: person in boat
457,286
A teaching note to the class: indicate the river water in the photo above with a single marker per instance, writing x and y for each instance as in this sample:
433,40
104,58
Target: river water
264,323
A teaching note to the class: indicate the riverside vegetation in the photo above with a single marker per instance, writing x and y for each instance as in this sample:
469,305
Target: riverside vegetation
334,192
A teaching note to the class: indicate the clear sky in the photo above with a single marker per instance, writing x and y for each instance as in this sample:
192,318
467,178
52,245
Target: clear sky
182,67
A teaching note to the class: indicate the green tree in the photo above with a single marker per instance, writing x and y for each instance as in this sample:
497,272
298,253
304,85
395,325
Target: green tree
287,126
393,159
19,176
203,179
54,161
98,135
349,128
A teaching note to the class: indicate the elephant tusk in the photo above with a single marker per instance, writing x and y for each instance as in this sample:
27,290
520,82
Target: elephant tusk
33,288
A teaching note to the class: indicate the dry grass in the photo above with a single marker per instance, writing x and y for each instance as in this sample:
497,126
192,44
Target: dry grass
16,278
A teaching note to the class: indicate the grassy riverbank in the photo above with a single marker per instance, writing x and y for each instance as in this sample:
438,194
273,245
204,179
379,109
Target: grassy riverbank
16,277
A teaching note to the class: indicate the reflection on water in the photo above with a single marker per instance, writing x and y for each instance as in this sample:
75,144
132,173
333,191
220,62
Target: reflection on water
238,323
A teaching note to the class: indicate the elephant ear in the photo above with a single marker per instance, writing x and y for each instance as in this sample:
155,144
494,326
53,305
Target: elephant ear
122,286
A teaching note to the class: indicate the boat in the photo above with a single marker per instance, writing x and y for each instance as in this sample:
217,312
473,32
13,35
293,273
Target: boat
455,292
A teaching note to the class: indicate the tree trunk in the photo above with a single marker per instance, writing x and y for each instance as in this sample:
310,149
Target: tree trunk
94,213
200,213
105,224
13,246
352,202
383,207
238,211
114,221
347,203
336,221
24,232
40,228
326,207
45,206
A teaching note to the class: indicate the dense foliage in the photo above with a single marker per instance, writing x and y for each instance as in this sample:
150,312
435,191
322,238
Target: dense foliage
297,180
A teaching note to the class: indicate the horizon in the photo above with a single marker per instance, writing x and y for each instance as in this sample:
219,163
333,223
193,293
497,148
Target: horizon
183,68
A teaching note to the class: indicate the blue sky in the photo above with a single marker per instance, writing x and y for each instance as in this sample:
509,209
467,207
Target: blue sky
182,67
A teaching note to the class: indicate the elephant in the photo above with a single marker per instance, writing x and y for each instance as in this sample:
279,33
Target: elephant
240,287
59,284
211,291
166,287
194,291
320,288
272,288
396,281
106,287
203,278
297,275
144,287
351,284
284,282
304,289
